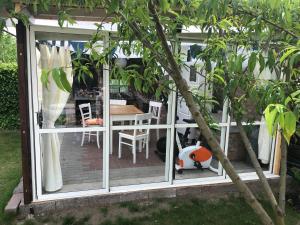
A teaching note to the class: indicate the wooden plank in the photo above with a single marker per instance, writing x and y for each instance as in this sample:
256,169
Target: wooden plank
277,157
24,111
124,110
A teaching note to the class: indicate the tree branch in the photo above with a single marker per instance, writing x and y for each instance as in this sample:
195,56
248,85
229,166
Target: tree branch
283,171
215,147
252,14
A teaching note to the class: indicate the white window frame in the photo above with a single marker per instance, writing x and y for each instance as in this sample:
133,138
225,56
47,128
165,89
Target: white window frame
171,125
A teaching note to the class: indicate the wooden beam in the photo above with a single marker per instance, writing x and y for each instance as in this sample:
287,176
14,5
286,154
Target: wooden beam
277,157
24,111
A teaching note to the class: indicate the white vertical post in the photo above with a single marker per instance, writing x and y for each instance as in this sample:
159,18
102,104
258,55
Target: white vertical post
106,143
31,114
34,87
223,133
171,132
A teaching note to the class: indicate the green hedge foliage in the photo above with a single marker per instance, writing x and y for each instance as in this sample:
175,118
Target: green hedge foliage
9,96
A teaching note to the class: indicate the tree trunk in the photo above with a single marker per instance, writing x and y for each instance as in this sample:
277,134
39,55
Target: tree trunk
277,210
182,86
283,171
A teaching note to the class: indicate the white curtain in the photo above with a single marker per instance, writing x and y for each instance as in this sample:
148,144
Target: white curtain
264,142
53,103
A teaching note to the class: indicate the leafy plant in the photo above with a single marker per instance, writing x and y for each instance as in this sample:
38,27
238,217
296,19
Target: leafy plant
9,97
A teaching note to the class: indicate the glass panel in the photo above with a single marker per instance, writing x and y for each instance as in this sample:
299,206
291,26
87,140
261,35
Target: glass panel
61,108
126,91
70,163
125,169
192,160
261,144
208,95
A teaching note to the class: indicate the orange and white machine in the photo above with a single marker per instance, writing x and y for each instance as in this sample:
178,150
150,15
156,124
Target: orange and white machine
193,157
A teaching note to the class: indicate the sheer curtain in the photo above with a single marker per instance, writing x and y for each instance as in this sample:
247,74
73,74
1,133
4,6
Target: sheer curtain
53,103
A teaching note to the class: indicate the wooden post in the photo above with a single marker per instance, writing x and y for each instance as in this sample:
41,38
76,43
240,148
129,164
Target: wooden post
277,157
24,111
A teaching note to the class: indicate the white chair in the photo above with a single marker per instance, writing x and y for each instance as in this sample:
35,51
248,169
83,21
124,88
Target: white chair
117,102
155,110
136,135
86,114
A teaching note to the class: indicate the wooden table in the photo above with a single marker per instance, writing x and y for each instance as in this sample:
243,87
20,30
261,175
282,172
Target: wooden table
121,113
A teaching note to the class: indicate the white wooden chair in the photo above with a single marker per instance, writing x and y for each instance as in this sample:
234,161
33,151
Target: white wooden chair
155,110
86,114
136,135
117,102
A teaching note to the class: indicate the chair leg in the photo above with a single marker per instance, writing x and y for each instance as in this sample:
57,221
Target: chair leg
120,148
82,139
89,136
97,136
134,151
147,147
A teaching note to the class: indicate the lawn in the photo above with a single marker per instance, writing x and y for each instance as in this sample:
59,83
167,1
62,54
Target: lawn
10,168
187,211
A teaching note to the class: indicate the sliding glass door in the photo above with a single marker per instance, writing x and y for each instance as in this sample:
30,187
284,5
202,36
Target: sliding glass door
69,110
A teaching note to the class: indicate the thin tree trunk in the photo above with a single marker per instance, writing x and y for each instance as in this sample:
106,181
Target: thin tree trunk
182,86
277,210
283,171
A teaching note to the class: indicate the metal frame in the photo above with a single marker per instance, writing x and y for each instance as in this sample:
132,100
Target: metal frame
170,126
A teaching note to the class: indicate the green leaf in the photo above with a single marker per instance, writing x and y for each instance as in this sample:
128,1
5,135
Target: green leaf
271,58
289,128
252,62
44,77
165,5
138,84
270,118
64,81
287,54
114,6
56,77
261,63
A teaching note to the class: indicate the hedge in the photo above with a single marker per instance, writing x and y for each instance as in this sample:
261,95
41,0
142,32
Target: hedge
9,96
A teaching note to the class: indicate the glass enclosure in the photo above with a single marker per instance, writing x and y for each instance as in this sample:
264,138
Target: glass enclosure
94,131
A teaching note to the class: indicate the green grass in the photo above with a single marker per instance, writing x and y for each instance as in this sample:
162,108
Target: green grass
10,169
233,211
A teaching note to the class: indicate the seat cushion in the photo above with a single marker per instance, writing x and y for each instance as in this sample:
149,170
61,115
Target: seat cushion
96,121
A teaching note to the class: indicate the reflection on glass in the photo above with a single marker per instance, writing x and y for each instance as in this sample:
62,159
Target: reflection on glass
70,164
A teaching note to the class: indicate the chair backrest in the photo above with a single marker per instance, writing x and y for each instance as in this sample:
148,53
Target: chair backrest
117,102
155,109
142,119
86,112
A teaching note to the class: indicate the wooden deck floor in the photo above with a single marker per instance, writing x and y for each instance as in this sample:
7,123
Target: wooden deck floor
82,167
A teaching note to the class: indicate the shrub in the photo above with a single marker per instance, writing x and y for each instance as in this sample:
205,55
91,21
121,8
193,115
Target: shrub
9,96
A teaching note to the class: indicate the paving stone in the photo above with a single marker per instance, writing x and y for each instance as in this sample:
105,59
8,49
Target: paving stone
13,204
162,193
133,196
43,208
